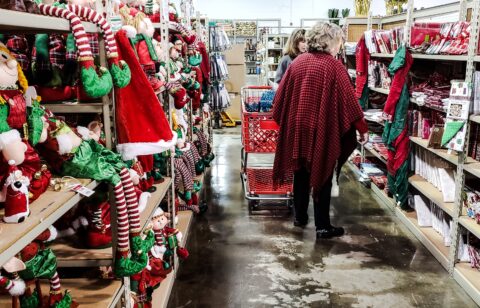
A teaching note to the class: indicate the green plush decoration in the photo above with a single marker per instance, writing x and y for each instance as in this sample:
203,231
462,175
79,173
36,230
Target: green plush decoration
142,245
31,301
124,267
121,76
199,167
43,265
41,46
451,129
56,80
35,123
70,45
188,195
195,60
4,127
66,301
197,186
2,38
94,85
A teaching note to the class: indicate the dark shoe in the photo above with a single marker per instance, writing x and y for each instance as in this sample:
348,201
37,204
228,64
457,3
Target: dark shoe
300,223
330,232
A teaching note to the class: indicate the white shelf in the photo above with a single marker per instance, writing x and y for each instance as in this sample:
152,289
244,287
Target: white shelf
426,235
425,57
375,153
380,90
475,118
470,224
89,293
432,193
44,212
75,108
452,158
13,21
412,100
469,279
386,200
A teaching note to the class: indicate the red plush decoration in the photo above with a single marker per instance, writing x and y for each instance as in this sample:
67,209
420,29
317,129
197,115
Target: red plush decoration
56,94
182,253
179,96
137,107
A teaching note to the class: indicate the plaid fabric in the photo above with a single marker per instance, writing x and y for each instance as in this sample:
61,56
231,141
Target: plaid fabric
315,107
56,46
93,41
183,177
18,46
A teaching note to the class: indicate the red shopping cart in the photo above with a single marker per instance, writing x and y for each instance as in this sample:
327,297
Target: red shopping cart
259,136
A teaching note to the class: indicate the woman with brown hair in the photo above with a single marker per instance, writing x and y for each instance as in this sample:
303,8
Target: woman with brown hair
295,46
318,115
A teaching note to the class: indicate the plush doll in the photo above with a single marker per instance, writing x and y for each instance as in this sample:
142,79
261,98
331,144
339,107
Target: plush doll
41,263
13,284
94,85
72,156
203,146
173,13
174,85
16,196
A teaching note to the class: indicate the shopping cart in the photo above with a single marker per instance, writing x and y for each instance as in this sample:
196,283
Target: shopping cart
259,136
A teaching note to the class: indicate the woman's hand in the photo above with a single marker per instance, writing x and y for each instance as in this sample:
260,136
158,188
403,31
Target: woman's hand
363,138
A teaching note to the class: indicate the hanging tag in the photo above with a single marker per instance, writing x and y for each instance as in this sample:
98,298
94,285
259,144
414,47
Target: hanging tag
82,190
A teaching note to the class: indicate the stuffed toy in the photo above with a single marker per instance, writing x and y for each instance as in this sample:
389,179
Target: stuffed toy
16,195
41,263
174,85
119,70
94,85
69,155
173,13
20,6
12,283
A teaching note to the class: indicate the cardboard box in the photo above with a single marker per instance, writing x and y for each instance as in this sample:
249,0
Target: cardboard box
236,55
234,109
236,78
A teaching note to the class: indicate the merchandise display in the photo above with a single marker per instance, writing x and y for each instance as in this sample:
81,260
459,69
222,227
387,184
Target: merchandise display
420,95
79,191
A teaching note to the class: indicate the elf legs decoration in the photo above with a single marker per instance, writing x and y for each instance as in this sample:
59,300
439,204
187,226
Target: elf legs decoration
94,85
120,71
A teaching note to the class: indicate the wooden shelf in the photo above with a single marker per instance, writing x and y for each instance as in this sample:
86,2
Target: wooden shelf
386,200
154,202
470,224
452,158
75,108
432,193
13,21
44,212
184,222
376,154
469,279
161,295
427,236
70,256
475,118
425,57
88,293
380,90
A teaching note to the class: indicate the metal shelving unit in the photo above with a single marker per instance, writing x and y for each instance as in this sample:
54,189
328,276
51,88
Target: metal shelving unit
468,278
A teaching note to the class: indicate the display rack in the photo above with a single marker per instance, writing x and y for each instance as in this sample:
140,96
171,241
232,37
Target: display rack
52,205
275,44
467,277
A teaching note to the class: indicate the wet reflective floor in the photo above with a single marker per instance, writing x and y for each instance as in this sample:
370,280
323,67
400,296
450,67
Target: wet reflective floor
240,260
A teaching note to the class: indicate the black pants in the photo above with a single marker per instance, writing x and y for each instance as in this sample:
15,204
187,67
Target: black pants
321,199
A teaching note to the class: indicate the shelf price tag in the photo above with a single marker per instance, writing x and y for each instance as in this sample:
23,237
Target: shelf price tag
82,190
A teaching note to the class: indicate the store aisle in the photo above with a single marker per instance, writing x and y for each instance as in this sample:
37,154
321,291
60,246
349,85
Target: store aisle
243,261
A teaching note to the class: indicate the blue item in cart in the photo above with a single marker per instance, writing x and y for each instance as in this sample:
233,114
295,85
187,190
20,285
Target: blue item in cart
252,107
266,102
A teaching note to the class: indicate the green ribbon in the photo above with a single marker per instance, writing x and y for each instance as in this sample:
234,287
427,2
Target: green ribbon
172,241
35,123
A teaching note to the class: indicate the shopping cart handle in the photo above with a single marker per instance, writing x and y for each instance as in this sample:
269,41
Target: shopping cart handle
258,87
269,124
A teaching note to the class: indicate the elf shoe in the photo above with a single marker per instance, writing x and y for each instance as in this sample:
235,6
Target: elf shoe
99,238
126,267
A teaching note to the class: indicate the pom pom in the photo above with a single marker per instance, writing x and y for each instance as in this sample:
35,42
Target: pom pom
182,253
130,30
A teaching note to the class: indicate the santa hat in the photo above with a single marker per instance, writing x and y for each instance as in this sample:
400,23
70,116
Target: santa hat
179,94
172,13
94,85
142,127
158,212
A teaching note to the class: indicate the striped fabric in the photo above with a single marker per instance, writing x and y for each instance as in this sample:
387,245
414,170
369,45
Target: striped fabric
182,175
132,201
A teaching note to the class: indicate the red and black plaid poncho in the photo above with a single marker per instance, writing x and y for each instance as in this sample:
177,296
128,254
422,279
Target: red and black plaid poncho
316,109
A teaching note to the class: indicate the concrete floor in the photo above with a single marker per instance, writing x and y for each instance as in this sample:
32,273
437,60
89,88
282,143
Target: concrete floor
238,260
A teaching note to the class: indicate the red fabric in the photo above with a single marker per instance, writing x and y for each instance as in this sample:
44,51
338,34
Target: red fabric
139,116
146,162
17,112
143,54
315,107
56,94
205,65
361,126
396,87
362,57
399,156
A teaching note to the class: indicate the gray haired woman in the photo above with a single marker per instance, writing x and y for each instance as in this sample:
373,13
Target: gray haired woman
318,114
295,46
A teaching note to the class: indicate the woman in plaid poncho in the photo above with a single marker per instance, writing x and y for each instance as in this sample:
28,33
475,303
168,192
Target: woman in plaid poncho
318,114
